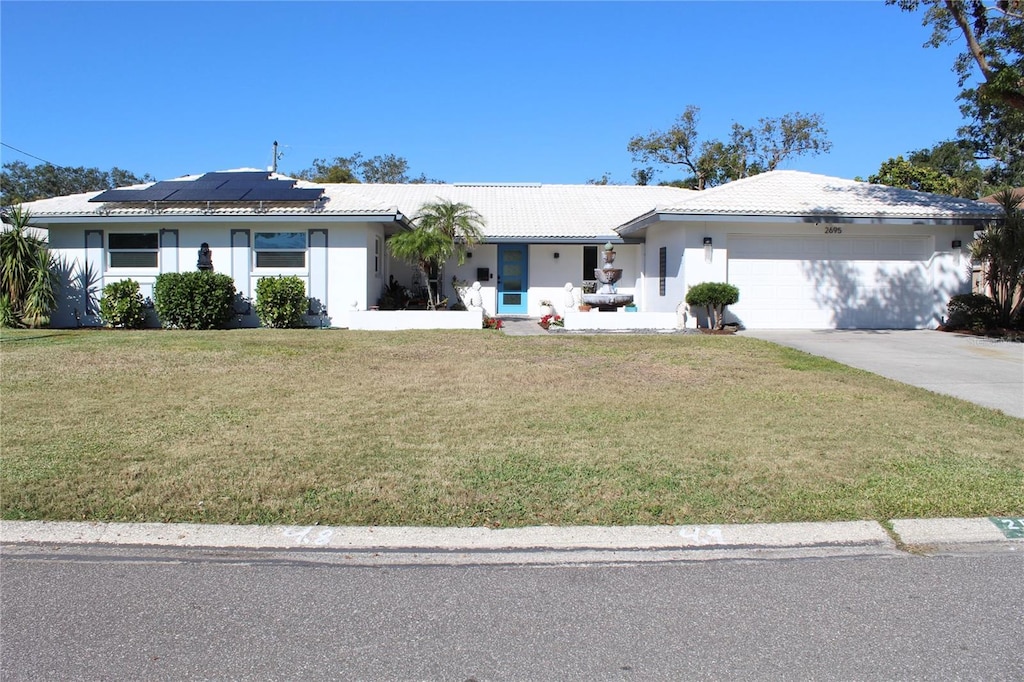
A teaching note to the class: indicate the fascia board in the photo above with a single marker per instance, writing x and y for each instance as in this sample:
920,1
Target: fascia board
213,219
819,218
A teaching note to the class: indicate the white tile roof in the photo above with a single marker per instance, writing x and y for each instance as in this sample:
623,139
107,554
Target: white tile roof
558,212
795,193
511,211
517,211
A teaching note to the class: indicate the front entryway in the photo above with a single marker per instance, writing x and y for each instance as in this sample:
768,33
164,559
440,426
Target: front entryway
513,279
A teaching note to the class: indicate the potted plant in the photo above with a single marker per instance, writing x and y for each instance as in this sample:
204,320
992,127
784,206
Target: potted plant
546,308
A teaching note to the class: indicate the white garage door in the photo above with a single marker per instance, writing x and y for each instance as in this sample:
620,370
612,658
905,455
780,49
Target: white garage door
832,282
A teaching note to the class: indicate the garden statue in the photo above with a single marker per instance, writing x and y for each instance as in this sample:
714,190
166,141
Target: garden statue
474,299
572,300
205,261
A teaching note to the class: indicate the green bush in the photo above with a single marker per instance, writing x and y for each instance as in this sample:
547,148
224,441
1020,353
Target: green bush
122,306
976,312
281,302
714,296
194,300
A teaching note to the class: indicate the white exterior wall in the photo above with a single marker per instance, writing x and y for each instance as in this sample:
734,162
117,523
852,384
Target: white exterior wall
549,275
674,238
341,272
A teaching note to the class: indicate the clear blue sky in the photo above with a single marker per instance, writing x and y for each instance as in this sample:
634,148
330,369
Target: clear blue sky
466,91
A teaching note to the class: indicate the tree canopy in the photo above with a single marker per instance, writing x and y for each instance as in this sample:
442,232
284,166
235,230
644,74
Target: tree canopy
387,168
947,168
748,151
20,182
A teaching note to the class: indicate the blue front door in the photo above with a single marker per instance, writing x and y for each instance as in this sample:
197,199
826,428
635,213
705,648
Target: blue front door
512,279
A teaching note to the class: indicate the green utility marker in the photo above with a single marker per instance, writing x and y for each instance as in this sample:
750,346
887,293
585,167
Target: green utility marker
1012,527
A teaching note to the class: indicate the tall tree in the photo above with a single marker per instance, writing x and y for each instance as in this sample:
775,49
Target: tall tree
995,133
748,151
20,183
993,34
441,230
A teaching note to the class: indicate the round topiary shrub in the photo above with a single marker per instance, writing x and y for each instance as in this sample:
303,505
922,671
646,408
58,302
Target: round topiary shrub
281,302
976,312
714,296
122,306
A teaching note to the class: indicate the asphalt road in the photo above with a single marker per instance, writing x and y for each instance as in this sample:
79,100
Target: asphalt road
94,612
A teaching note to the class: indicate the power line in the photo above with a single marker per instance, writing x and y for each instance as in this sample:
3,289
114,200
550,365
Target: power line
22,151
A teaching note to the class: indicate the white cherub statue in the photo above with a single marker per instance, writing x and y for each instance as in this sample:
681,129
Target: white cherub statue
572,298
474,299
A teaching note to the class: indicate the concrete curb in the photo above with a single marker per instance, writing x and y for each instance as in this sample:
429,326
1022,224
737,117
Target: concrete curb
865,534
932,532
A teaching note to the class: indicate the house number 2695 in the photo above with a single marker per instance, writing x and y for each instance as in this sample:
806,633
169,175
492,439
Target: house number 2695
833,229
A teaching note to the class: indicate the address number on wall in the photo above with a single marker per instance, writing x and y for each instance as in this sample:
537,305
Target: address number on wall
833,229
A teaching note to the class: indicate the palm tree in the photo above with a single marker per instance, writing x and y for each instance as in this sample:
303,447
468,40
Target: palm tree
28,282
1001,250
441,230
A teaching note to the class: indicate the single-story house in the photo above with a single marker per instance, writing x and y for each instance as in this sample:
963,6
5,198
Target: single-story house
806,251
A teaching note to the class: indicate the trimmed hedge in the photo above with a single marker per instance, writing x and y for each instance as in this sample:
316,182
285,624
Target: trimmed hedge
281,302
194,300
122,306
976,312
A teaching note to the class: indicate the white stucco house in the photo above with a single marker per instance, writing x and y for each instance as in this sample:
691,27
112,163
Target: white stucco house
806,251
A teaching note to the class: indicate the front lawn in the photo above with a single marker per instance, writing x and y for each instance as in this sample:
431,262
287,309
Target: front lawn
478,428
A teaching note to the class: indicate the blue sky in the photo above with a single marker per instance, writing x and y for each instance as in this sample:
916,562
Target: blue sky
466,91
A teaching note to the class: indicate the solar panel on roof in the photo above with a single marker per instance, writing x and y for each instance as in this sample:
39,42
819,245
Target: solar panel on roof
235,176
233,186
226,193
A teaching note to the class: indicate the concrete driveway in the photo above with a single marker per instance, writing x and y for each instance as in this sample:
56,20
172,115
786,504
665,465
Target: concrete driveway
983,371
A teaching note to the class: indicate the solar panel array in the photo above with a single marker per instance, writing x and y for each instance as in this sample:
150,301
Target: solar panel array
235,186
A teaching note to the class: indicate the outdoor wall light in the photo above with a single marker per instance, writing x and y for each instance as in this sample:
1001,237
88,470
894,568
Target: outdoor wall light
957,243
469,254
556,255
707,241
708,250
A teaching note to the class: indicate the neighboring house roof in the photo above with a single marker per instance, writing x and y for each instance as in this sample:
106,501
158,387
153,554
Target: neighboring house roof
527,212
806,196
1018,193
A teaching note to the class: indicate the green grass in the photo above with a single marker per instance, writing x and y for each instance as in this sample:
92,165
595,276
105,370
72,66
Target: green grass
479,428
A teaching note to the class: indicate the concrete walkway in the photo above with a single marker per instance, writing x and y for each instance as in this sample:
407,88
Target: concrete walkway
987,372
516,325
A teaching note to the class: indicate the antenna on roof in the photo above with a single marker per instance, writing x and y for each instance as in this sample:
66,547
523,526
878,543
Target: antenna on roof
277,155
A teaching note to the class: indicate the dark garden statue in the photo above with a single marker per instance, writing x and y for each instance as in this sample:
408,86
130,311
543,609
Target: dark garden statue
205,261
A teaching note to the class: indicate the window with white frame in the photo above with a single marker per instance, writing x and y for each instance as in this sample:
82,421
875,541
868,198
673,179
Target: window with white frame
132,249
280,249
376,256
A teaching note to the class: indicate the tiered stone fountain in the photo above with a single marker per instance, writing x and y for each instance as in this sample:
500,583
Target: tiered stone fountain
606,297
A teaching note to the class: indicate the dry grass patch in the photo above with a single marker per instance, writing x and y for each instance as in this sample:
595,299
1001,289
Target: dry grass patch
471,428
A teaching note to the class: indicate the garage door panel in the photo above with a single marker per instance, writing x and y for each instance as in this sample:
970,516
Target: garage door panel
844,282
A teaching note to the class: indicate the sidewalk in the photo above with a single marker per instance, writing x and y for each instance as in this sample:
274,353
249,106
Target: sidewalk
546,544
